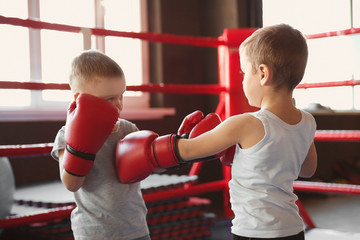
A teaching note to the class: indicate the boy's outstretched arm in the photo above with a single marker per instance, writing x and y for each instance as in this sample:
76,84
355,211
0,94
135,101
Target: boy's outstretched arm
309,165
242,129
140,153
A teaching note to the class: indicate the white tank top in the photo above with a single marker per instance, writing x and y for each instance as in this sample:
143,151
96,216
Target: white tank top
261,188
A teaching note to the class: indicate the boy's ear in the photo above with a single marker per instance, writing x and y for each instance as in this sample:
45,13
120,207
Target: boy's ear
265,74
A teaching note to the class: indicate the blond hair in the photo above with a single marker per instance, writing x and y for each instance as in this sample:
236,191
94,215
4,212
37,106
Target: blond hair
91,66
283,49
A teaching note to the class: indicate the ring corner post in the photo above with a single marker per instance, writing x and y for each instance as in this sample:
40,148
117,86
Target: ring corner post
234,98
229,71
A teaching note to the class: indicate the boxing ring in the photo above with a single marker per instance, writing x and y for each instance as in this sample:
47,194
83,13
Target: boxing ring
232,101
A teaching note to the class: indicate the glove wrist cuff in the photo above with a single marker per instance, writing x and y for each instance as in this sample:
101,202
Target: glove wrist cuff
86,156
175,148
76,165
165,151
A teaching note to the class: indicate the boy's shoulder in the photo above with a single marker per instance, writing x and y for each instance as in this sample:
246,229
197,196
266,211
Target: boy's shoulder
126,126
247,117
309,117
244,121
125,122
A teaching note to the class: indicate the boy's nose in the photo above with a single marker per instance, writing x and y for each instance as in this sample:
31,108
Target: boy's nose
118,104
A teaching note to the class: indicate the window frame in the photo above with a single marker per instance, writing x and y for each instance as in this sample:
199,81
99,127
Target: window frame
135,107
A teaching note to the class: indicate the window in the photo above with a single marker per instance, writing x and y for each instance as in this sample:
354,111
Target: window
330,59
32,55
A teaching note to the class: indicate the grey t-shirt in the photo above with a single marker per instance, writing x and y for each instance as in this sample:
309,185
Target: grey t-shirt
106,208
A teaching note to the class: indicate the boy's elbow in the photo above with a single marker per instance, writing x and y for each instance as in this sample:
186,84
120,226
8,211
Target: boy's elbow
307,173
309,166
308,170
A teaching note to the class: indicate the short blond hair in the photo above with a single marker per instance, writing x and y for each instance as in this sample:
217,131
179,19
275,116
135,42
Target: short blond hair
283,49
90,66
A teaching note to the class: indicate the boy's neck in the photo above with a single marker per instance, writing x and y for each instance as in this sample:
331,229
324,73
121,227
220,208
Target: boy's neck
280,103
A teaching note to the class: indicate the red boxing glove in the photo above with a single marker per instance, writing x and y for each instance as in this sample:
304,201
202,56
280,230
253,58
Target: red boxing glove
190,122
90,121
206,124
228,156
138,154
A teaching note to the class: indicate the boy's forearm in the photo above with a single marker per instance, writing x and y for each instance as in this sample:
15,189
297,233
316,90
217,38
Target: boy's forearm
71,182
183,149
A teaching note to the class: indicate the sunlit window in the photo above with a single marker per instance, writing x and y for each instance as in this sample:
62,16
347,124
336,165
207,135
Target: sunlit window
31,55
119,18
62,46
14,57
330,59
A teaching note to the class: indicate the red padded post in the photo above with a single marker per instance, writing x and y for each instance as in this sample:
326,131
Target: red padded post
231,79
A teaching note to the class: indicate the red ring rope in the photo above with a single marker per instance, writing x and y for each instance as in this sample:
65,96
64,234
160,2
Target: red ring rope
329,84
45,148
337,135
326,187
179,88
33,85
164,88
334,33
25,150
160,88
164,38
154,37
38,24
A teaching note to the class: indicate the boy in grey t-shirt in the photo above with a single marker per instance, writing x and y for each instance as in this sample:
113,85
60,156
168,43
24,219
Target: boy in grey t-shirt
106,209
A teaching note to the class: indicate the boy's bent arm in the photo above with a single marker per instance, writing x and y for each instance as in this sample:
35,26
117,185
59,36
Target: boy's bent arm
71,182
309,165
223,136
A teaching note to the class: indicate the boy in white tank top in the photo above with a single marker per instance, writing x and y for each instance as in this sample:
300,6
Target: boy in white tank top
274,146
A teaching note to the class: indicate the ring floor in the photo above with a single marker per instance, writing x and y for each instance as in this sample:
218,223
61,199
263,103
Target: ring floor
335,216
339,213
